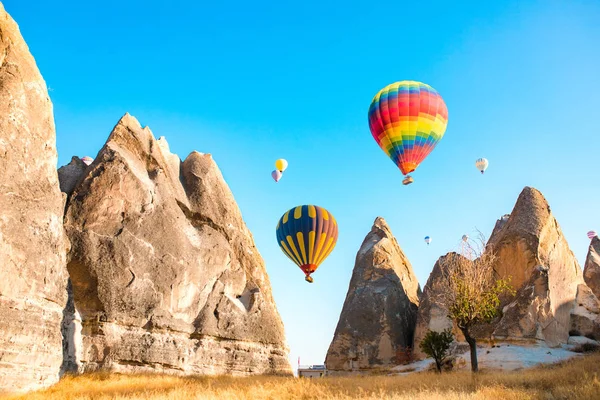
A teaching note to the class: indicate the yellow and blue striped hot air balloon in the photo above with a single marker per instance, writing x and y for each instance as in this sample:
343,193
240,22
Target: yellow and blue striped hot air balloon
307,234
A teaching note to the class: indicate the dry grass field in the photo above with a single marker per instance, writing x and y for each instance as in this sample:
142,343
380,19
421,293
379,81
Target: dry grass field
574,379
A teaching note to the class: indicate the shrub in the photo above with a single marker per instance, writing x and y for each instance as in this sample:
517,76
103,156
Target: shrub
436,345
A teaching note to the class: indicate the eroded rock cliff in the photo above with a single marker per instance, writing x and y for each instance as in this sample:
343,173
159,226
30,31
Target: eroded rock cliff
532,250
165,274
591,271
33,276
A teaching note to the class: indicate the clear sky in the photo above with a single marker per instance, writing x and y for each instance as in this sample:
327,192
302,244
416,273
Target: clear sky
251,82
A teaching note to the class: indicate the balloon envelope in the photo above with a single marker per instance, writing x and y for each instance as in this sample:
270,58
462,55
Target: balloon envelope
407,120
307,234
87,160
276,175
281,164
482,164
591,234
427,239
465,238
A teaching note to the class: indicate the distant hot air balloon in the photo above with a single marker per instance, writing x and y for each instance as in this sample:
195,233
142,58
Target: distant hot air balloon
592,234
407,120
482,164
87,160
276,175
307,234
281,164
465,238
427,240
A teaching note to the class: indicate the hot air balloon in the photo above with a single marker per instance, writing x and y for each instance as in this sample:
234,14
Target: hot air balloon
407,120
281,165
427,240
87,160
465,238
591,234
307,234
276,175
482,164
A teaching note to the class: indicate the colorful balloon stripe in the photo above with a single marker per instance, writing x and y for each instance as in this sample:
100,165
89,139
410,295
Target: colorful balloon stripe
408,119
307,234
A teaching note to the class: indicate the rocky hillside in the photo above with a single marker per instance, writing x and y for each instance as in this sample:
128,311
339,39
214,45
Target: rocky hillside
378,318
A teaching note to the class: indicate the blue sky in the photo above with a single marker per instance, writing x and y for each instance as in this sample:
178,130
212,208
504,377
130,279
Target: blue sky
251,82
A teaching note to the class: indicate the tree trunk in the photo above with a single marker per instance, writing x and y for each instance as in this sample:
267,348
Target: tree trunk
438,366
473,346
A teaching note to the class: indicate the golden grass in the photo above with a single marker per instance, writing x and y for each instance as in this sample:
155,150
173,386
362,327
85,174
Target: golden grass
574,379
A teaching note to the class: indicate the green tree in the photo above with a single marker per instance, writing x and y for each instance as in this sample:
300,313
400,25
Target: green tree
436,345
473,290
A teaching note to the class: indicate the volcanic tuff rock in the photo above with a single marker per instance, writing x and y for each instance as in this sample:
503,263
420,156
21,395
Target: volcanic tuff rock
378,318
33,276
432,313
166,276
585,317
69,175
533,252
591,271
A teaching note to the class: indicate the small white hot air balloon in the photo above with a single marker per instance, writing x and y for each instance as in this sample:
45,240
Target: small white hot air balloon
482,164
276,174
427,240
87,160
592,234
465,238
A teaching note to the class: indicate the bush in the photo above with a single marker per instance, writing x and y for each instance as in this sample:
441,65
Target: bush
436,345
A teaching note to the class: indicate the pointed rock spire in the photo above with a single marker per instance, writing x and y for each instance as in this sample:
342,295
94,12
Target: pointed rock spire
378,318
33,276
532,250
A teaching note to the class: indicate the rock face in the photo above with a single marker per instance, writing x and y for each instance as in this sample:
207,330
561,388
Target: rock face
165,274
69,175
378,318
585,317
33,276
432,313
533,252
591,271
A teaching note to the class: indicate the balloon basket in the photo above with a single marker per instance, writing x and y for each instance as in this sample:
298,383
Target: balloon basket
309,279
408,180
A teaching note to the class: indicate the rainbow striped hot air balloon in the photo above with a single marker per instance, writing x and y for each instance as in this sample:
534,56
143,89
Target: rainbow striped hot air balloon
408,119
307,234
591,234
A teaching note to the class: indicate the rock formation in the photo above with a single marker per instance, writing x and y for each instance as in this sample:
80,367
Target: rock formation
432,313
69,175
165,274
33,276
533,252
591,271
585,317
378,318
